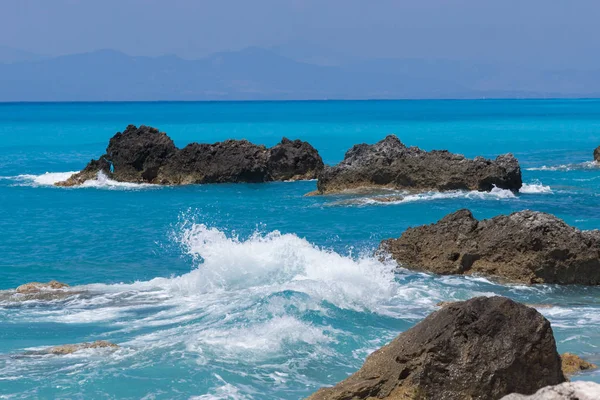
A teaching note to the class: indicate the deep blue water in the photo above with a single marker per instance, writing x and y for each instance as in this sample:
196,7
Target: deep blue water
254,291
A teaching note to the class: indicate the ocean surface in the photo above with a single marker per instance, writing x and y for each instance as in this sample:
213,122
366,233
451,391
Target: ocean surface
254,291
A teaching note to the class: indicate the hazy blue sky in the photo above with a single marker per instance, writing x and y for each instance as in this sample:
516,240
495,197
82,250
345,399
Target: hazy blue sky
552,33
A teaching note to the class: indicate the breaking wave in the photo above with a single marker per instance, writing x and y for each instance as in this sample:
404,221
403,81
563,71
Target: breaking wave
535,187
265,308
586,165
51,178
400,197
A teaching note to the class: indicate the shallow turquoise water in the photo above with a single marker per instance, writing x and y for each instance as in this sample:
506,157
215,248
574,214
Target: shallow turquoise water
255,291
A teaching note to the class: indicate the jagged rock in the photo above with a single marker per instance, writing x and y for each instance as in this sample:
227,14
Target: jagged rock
483,348
389,163
36,287
293,160
72,348
229,161
526,246
579,390
146,155
572,364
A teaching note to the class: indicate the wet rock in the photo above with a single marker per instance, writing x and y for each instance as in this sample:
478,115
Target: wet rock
36,287
579,390
72,348
483,348
597,154
526,246
389,163
387,199
572,364
41,291
146,155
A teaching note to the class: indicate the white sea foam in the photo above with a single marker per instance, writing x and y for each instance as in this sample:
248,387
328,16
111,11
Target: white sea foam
101,181
567,167
262,306
535,187
404,197
47,179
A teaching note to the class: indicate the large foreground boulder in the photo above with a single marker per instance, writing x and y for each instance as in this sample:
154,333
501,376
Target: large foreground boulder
483,348
146,155
580,390
526,246
391,164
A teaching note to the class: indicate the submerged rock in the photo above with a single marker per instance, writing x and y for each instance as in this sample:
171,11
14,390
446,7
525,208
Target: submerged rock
572,364
526,246
43,291
389,163
36,287
72,348
387,199
483,348
146,155
579,390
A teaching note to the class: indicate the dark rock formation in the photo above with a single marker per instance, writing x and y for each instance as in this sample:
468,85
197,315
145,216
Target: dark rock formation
483,348
572,364
145,155
580,390
526,246
389,163
597,154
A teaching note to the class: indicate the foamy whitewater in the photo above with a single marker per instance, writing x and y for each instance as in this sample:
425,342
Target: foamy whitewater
242,291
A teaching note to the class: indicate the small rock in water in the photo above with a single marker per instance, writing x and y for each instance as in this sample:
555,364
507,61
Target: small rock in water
580,390
72,348
482,348
572,364
36,287
387,199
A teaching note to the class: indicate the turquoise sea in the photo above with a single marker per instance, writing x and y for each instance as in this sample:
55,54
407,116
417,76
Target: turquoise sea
253,291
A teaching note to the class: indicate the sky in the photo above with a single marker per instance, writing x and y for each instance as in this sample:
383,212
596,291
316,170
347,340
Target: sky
549,33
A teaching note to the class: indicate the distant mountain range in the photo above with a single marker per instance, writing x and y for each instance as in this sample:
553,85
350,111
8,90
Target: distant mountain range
261,74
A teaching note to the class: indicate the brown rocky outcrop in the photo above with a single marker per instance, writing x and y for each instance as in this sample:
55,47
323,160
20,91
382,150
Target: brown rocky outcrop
36,287
146,155
526,246
482,348
391,164
72,348
572,364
